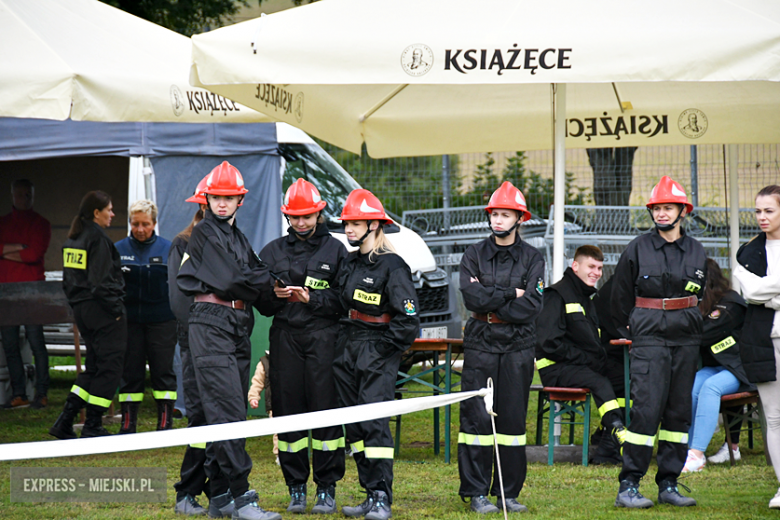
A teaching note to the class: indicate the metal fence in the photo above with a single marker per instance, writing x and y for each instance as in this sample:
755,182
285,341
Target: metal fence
415,183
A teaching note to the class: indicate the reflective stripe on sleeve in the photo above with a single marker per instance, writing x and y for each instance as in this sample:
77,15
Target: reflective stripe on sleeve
544,363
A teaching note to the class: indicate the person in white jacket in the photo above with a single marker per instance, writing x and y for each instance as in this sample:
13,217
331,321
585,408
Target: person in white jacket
758,274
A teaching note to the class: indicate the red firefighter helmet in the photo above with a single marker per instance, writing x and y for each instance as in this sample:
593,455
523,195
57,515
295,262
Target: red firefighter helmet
668,191
302,198
363,205
198,197
509,197
225,180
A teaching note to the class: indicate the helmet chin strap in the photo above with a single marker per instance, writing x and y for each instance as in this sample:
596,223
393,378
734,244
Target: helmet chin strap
222,218
305,235
503,234
667,227
359,241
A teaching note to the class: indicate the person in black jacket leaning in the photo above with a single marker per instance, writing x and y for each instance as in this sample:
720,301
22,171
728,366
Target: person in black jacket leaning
758,274
302,344
151,326
721,373
192,475
570,353
224,275
375,291
93,283
657,285
502,282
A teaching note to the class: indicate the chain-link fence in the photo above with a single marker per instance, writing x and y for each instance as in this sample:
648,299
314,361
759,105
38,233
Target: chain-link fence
611,176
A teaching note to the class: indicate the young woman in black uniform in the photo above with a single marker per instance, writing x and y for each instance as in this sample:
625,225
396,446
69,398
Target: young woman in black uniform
376,292
655,295
224,275
302,344
93,283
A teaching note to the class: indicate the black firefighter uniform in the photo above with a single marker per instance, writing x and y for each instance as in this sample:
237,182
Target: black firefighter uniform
499,343
665,348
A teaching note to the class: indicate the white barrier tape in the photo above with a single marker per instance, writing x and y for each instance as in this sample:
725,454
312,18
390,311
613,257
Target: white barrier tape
223,432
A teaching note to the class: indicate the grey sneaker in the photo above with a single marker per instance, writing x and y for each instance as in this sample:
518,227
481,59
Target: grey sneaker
246,508
629,496
326,501
360,509
189,506
512,506
297,499
381,508
668,494
221,506
482,505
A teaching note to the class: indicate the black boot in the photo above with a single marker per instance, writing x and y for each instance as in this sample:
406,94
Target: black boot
93,426
63,426
297,499
607,452
129,418
164,414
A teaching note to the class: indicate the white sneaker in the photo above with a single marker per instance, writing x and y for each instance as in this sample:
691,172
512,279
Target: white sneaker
775,502
693,463
277,461
723,455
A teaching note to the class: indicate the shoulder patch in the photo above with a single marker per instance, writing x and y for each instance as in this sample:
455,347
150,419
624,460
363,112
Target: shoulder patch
714,315
540,285
409,307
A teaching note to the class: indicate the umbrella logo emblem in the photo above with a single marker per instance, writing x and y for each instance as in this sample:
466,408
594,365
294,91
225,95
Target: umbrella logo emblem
417,59
177,100
692,123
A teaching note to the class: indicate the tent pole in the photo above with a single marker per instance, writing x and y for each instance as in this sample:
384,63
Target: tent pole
733,212
560,179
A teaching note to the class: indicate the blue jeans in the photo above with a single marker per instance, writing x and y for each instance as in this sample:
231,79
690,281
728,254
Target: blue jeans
13,356
708,387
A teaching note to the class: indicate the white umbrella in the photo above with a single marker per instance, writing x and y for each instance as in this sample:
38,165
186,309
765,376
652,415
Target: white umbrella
413,77
85,60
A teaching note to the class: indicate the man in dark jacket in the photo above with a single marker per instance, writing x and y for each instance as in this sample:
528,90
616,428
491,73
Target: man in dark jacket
569,353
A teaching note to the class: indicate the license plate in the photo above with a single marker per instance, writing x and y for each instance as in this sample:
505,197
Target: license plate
433,333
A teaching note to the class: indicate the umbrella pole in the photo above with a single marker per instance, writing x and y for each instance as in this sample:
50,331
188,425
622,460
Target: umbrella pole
559,143
733,212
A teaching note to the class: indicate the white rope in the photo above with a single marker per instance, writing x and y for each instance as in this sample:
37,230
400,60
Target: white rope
489,407
228,431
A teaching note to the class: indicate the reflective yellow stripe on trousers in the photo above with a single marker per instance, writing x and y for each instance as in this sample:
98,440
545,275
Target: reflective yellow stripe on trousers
679,437
487,440
330,445
89,398
294,447
608,407
543,363
639,439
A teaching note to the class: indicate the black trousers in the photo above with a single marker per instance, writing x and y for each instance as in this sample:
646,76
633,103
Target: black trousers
221,354
192,477
154,343
580,376
365,373
105,337
661,385
301,366
13,357
512,373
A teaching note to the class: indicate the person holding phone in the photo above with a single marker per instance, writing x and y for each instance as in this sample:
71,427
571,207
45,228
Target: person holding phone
302,344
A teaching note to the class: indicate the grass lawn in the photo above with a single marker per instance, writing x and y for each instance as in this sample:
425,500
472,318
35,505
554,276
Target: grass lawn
425,487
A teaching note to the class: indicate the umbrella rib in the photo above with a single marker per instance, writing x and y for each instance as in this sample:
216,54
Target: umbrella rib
383,101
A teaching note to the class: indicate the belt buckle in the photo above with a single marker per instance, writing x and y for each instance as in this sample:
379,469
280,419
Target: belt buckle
489,317
663,303
233,303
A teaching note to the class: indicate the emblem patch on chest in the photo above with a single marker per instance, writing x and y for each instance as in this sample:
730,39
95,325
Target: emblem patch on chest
368,280
324,267
364,297
409,307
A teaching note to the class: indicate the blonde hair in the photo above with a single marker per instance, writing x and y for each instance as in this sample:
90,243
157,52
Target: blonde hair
381,246
143,206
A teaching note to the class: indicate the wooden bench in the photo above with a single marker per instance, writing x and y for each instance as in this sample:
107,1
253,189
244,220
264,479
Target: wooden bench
573,402
749,404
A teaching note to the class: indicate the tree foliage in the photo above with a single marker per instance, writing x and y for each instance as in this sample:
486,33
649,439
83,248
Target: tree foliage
183,16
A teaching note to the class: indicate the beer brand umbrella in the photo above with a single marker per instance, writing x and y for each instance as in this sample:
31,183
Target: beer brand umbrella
412,77
85,60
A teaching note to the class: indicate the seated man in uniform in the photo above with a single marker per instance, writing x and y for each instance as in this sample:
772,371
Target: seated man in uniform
569,352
